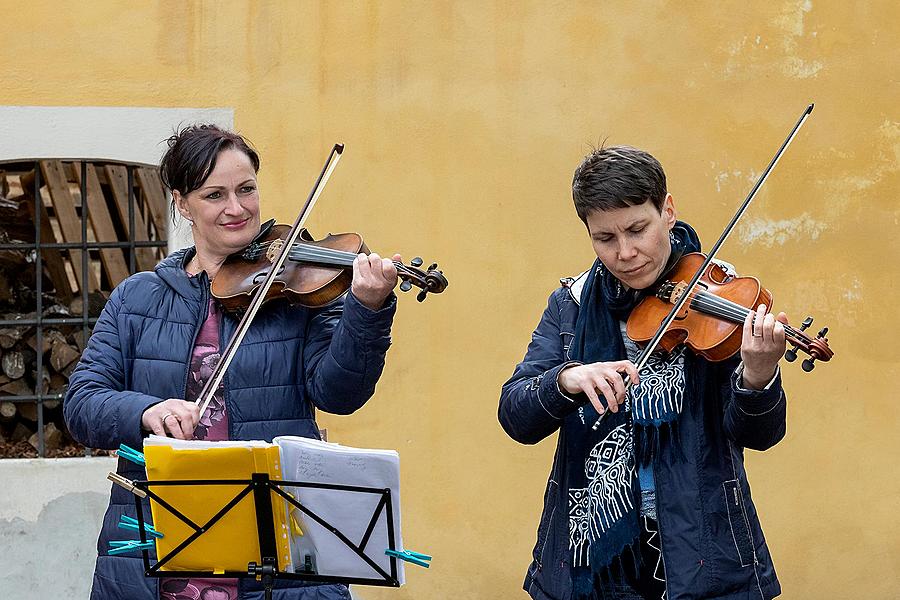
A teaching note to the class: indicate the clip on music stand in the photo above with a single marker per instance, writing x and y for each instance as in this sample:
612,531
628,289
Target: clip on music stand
267,569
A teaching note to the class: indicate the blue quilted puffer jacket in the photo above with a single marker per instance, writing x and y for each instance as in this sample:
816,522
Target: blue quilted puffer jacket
292,361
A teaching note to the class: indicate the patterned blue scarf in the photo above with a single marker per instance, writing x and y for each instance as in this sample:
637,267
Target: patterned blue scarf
603,496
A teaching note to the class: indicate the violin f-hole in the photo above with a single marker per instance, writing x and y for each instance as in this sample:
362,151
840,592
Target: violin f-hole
259,277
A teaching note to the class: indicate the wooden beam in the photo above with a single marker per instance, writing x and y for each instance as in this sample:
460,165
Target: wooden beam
117,175
113,259
69,221
155,195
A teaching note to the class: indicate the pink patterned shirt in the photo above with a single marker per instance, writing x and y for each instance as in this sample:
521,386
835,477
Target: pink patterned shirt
213,427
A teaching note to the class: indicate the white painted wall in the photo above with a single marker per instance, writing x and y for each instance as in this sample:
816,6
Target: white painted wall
128,134
50,515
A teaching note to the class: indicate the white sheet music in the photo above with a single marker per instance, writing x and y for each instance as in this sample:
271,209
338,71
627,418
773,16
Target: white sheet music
314,461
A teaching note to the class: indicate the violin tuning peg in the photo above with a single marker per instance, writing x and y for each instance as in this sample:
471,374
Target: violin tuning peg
416,262
432,267
808,364
823,333
806,323
405,285
791,354
421,296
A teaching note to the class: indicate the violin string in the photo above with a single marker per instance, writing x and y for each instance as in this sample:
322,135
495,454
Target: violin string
339,257
309,251
319,255
322,252
730,309
743,311
328,256
263,245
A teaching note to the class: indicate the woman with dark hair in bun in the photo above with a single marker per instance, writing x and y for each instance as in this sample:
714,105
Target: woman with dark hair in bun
159,336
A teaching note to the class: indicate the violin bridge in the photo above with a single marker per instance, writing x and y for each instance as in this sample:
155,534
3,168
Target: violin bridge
677,290
671,291
274,249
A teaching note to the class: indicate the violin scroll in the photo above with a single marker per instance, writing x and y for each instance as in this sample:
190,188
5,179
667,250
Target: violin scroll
428,281
817,348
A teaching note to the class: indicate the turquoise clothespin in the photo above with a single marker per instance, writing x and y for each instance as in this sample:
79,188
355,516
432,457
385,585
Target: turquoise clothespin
131,523
416,558
131,454
123,546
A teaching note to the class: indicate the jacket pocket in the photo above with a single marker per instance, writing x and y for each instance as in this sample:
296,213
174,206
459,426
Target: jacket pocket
737,520
551,500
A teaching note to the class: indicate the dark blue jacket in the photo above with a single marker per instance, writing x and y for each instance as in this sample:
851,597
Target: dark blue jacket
292,361
712,544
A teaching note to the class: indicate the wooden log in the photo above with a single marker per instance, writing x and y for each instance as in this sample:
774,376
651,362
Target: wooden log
20,433
96,302
13,364
52,438
13,261
62,354
67,372
7,411
47,339
10,335
8,293
58,384
80,339
15,214
28,411
44,380
16,387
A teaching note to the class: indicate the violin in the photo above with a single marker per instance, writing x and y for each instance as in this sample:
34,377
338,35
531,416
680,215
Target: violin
315,272
718,319
711,322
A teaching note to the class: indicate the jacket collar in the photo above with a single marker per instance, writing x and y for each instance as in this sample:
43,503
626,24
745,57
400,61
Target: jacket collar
172,271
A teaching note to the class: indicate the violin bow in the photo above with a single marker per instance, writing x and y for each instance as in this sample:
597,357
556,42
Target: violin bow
676,308
212,384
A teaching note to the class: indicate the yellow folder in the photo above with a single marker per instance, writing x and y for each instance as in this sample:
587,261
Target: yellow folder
233,541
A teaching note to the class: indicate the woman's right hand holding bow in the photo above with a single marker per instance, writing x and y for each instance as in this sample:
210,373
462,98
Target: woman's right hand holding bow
173,417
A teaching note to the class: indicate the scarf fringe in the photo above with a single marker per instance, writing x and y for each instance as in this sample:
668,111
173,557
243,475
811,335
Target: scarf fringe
588,584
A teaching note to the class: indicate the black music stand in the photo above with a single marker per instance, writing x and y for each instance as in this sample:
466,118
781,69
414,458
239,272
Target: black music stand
266,569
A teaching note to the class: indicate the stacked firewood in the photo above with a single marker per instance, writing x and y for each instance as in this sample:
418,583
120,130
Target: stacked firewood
61,296
60,349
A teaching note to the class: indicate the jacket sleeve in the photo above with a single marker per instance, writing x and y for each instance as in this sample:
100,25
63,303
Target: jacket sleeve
755,419
99,411
531,403
344,353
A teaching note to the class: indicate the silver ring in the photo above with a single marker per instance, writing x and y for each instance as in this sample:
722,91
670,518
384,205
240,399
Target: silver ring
755,335
167,415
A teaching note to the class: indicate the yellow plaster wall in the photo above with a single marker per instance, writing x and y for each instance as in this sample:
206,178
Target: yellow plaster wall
463,124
